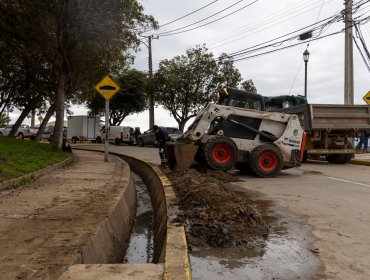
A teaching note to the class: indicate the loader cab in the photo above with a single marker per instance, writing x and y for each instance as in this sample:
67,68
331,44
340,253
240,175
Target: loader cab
239,98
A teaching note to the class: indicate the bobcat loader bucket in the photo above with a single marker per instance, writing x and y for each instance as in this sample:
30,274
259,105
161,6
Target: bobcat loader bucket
180,155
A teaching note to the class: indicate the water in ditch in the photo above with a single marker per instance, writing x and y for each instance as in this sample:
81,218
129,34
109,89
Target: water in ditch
140,249
286,254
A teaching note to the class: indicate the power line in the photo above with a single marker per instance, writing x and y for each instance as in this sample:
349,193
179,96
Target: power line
270,20
187,30
283,48
228,7
201,8
193,12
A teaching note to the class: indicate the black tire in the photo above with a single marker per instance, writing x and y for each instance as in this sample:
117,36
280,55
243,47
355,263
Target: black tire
140,143
305,156
20,136
199,156
340,158
130,143
220,153
99,140
266,161
74,139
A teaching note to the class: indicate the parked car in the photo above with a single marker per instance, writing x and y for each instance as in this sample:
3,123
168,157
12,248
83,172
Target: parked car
48,132
24,131
148,137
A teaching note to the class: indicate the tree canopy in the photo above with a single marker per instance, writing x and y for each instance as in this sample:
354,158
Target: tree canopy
185,83
79,42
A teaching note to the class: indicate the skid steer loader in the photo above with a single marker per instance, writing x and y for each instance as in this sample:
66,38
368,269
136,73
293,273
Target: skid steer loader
224,137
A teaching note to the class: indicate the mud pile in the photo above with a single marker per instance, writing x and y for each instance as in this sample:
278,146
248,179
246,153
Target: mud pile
213,214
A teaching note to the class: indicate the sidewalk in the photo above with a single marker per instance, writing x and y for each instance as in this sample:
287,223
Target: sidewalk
44,226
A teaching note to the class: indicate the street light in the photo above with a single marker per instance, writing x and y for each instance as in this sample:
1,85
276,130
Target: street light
306,56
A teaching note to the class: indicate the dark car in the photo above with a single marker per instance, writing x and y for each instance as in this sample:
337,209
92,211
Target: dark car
148,137
48,132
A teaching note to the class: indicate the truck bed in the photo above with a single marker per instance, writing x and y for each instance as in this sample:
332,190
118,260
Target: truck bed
332,116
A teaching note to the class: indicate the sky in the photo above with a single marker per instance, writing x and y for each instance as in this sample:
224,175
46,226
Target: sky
251,23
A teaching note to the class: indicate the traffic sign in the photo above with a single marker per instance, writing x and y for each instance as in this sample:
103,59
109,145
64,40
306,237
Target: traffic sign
366,98
40,118
107,88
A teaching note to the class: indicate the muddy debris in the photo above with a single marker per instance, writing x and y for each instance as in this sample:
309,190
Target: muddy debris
214,216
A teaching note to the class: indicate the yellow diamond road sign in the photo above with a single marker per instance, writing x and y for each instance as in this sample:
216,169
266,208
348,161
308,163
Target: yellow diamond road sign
107,87
366,98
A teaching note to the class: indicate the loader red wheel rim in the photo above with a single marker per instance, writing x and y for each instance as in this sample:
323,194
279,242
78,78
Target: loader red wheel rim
268,161
222,153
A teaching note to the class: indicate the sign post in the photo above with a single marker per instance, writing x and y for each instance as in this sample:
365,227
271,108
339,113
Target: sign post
366,98
107,88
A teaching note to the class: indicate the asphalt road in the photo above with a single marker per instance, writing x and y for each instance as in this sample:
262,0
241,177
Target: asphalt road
335,201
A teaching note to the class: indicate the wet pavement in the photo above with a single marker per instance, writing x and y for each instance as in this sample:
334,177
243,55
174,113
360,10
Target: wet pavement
286,254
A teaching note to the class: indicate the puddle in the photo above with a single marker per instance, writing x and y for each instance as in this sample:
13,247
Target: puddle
140,249
284,255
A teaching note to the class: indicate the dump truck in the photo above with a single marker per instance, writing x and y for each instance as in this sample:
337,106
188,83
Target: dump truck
255,141
330,128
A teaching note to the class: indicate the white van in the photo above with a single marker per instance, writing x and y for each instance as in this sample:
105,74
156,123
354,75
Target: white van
121,134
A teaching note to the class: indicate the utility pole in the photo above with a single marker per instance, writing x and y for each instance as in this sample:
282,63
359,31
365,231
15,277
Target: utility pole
151,93
348,54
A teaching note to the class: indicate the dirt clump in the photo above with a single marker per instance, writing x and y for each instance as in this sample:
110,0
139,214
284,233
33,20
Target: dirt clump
213,214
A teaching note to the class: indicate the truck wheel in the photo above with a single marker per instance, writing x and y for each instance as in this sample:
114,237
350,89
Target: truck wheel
20,136
98,140
74,139
340,158
117,142
305,156
140,143
220,153
266,161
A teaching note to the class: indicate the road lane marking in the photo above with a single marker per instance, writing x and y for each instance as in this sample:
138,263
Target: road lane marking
347,181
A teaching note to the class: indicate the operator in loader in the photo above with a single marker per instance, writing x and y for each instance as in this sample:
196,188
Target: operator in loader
161,137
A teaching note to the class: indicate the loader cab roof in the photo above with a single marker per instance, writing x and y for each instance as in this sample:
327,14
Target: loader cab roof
239,98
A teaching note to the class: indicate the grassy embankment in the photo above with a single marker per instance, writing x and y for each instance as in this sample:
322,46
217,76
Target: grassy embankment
19,157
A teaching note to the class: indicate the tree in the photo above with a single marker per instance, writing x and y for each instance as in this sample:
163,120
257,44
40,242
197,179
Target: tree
248,85
4,119
80,39
184,84
132,98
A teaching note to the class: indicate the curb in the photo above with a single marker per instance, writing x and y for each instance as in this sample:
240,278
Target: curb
360,162
5,185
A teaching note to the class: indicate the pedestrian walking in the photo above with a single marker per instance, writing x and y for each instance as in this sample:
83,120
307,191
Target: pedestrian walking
364,140
137,132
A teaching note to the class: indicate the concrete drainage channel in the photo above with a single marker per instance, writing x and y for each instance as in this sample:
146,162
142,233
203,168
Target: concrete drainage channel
170,258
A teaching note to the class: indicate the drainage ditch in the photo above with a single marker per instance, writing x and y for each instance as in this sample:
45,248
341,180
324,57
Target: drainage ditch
140,248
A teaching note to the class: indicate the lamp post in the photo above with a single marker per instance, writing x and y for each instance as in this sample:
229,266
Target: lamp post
306,56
